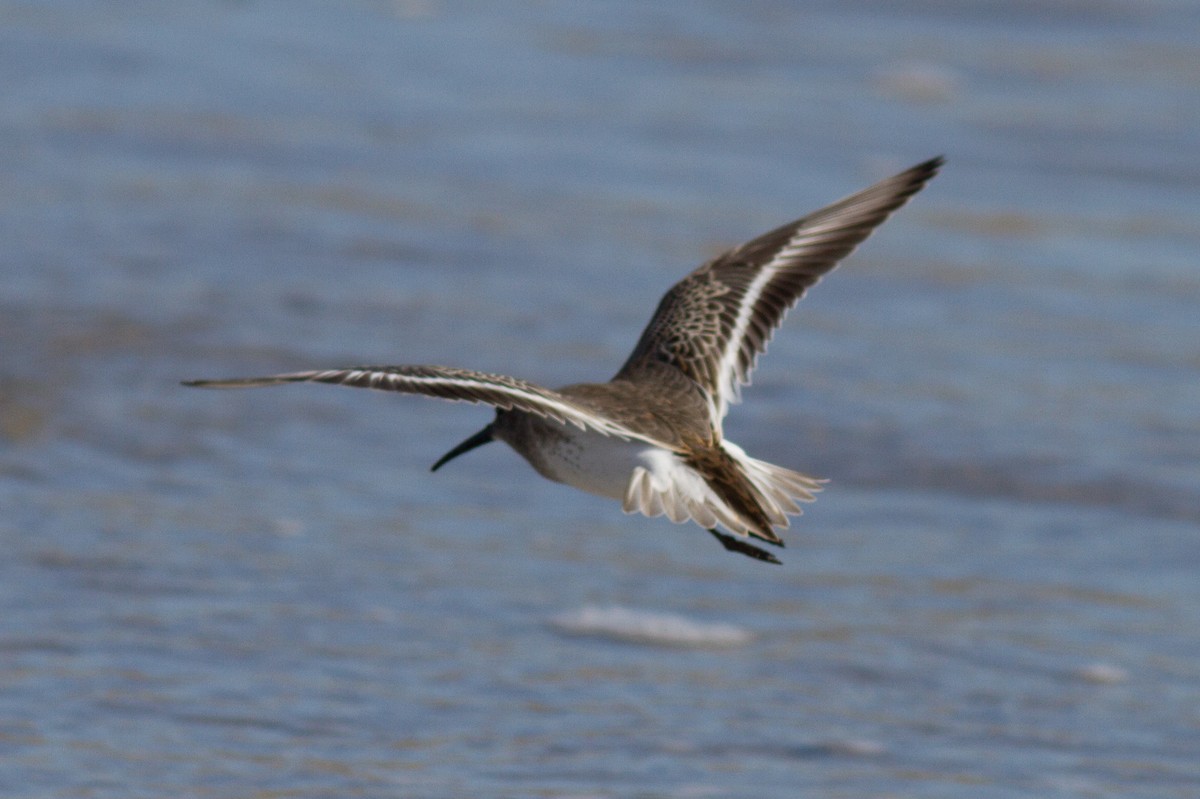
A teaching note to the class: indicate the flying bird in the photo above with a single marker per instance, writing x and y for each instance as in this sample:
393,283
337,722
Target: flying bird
651,437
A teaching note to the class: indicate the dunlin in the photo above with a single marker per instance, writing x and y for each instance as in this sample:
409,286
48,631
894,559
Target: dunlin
651,437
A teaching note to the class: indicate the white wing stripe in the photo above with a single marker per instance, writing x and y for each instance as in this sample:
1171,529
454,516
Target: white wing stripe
556,409
728,383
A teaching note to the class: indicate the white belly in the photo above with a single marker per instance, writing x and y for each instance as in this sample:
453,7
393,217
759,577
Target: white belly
642,477
591,462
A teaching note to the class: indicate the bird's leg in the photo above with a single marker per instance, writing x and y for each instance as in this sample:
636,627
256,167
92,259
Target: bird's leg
738,545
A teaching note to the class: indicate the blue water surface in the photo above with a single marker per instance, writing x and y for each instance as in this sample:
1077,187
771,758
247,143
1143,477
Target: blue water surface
253,594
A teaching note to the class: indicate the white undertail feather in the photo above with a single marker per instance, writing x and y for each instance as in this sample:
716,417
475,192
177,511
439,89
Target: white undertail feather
779,488
667,485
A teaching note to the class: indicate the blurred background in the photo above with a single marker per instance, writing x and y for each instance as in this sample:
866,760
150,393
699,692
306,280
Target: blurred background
253,594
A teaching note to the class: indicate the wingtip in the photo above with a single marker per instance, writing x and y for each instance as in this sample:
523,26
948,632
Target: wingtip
930,167
913,179
243,382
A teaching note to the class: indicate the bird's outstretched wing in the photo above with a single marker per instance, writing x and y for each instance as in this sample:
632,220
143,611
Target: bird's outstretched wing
465,385
714,323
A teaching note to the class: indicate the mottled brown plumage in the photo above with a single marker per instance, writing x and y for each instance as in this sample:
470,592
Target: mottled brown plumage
652,436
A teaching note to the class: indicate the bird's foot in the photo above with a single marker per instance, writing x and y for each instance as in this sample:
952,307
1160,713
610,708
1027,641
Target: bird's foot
734,544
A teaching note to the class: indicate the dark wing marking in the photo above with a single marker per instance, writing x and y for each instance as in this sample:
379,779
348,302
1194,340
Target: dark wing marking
465,385
713,324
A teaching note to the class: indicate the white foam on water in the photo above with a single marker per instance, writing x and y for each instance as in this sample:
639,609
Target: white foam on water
645,627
